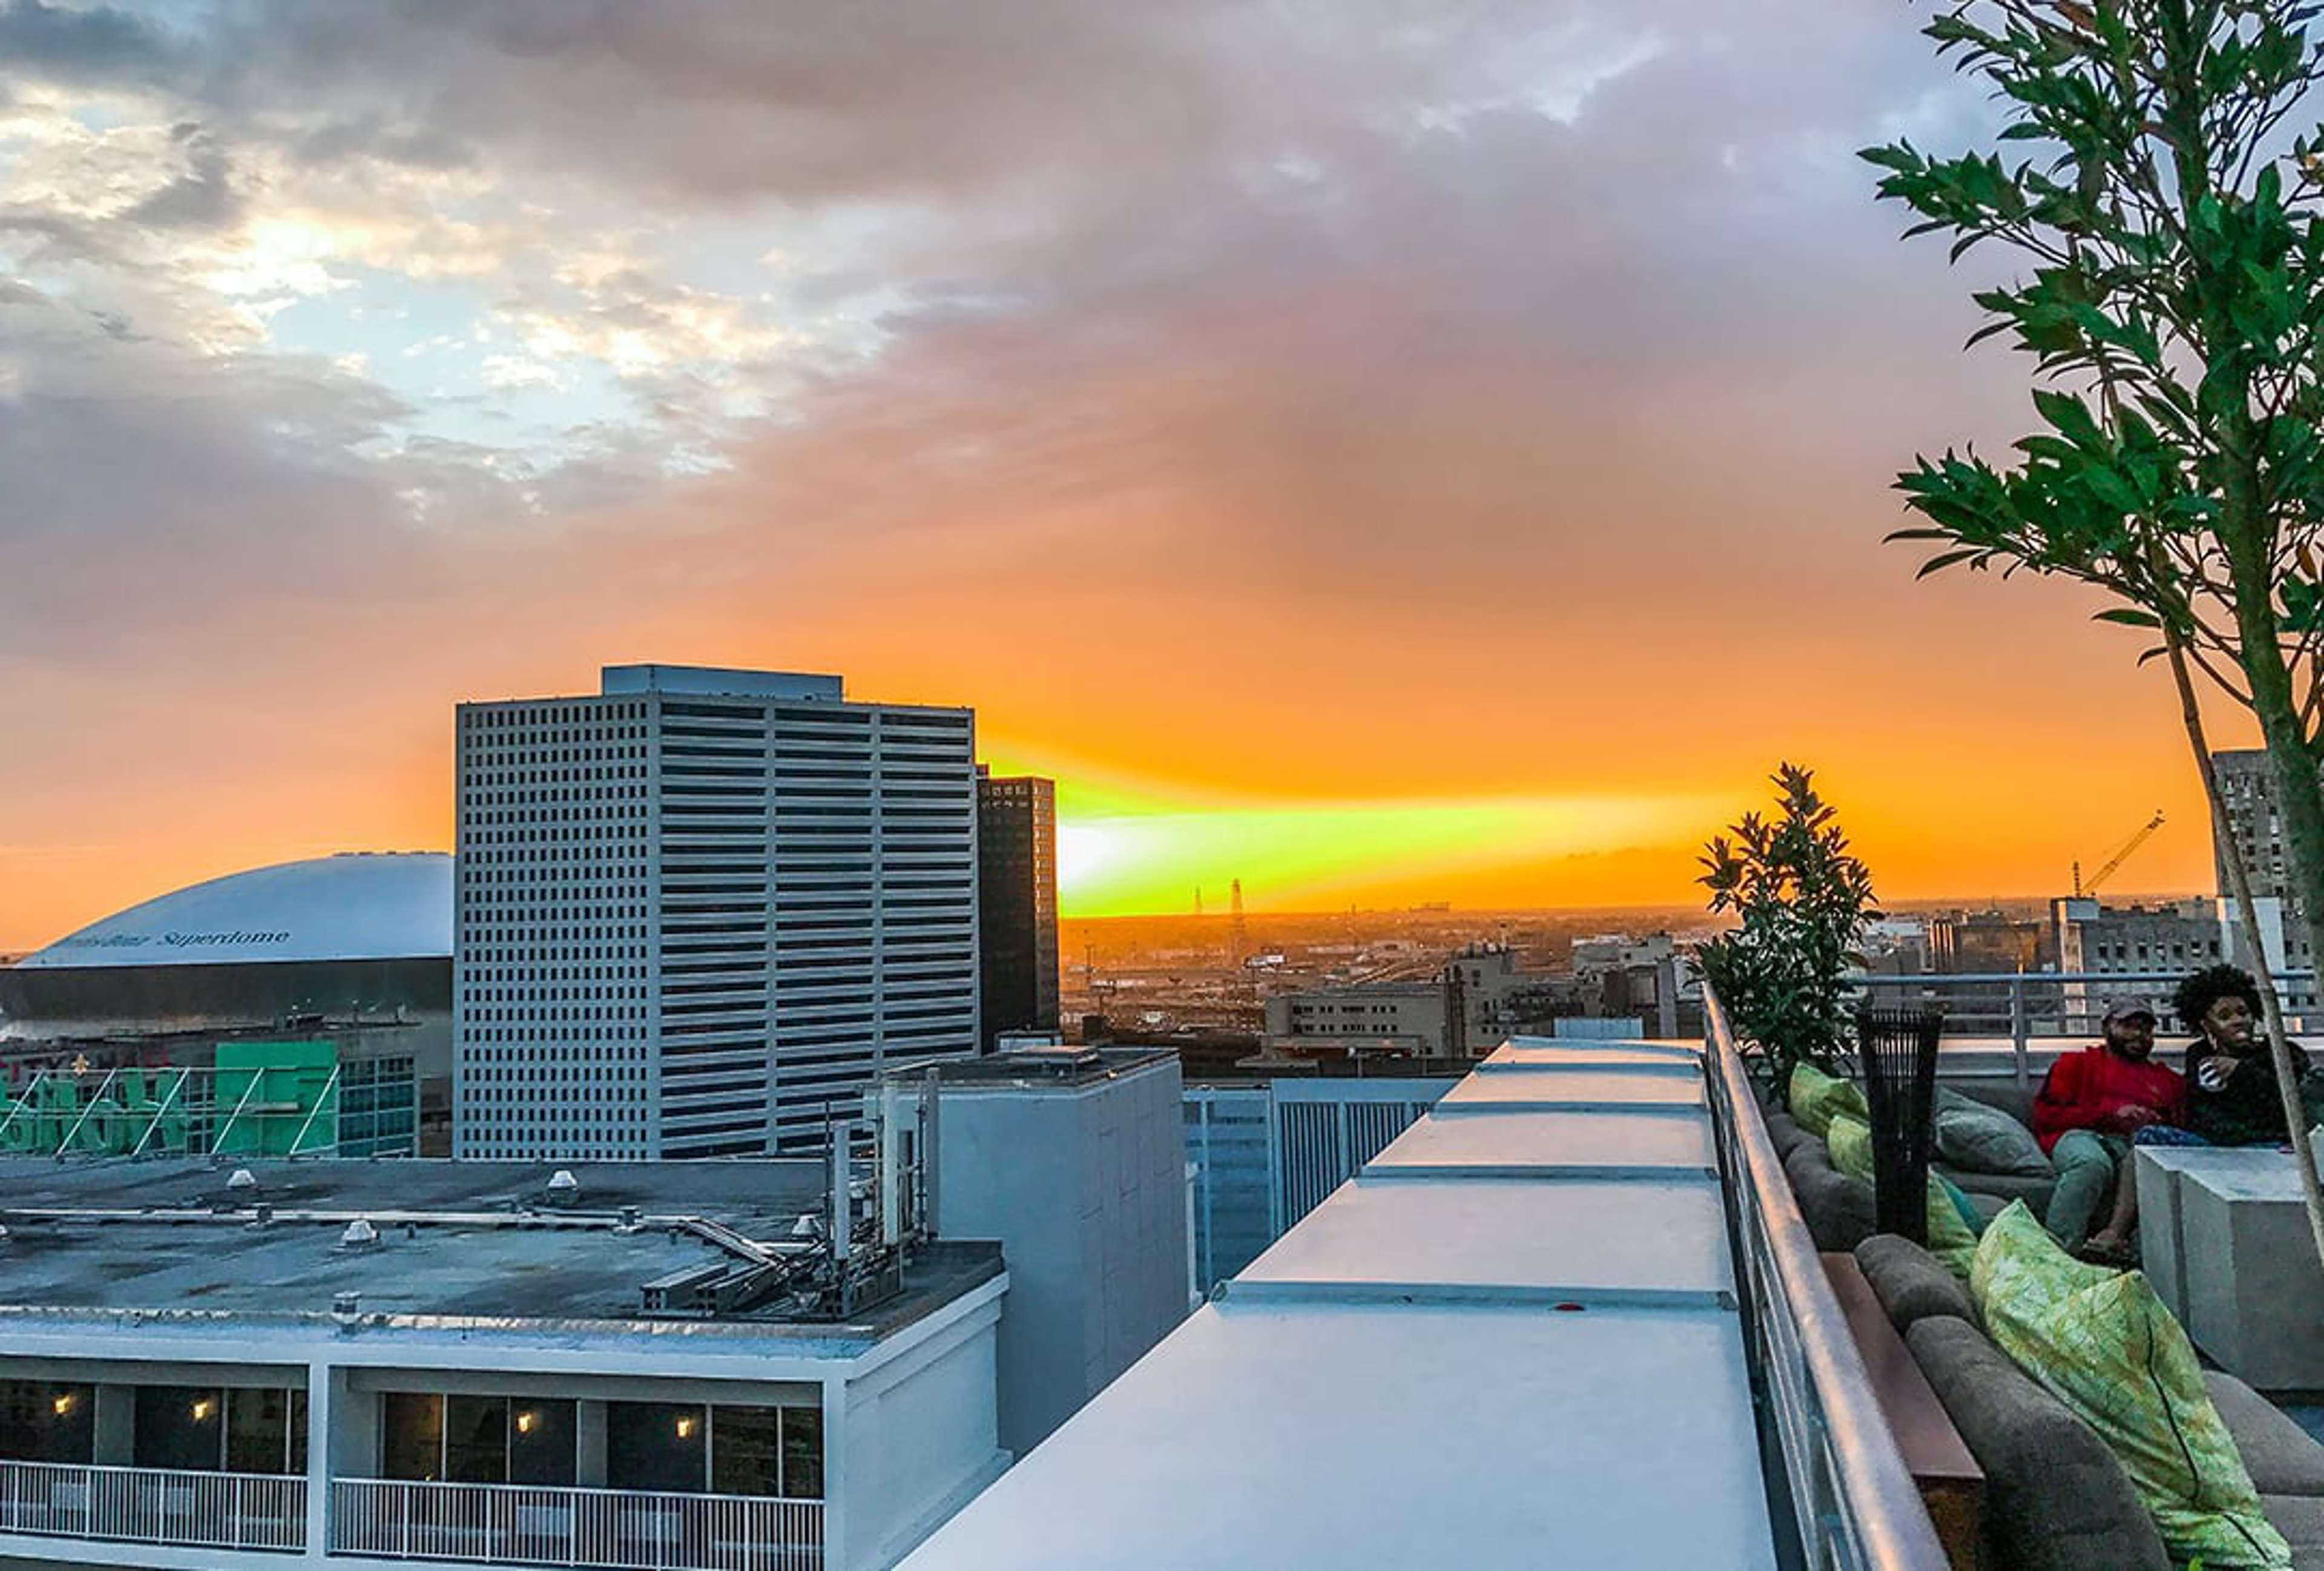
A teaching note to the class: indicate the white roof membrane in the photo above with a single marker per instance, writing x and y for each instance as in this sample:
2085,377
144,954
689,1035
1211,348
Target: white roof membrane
1511,1344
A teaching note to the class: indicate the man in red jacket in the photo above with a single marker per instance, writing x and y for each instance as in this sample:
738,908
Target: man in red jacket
2091,1103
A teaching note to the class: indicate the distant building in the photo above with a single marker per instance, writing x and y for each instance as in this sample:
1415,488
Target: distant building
2181,935
1897,946
2174,938
1264,1153
2247,788
1466,1010
1017,903
509,1366
1989,942
699,909
1647,982
347,957
1406,1019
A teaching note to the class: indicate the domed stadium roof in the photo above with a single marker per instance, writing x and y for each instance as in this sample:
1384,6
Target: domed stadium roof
354,906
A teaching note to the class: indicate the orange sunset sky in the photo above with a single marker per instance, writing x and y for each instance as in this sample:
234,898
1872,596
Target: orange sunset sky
1385,453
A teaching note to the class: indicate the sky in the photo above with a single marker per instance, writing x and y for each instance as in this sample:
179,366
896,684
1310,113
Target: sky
1381,451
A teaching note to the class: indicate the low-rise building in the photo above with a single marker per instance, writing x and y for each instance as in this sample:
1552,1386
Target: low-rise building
1465,1009
361,1364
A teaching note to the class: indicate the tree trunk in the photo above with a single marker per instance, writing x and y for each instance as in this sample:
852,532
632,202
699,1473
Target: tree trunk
2231,857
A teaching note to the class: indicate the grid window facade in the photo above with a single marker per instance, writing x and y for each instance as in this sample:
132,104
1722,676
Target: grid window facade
699,920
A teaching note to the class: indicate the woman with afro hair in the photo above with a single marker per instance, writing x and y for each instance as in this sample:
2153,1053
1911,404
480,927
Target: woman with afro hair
2231,1095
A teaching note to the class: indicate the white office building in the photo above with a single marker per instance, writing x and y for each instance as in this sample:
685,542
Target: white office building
700,906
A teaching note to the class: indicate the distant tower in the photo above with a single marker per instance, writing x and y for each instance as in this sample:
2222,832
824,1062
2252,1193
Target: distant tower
1239,935
1198,900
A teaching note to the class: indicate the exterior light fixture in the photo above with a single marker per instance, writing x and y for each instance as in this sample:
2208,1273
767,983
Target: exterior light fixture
202,1408
686,1428
524,1423
63,1404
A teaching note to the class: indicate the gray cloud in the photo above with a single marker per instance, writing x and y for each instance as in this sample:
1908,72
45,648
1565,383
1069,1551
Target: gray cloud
97,43
1411,318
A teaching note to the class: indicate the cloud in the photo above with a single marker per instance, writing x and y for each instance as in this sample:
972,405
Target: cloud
1170,378
100,44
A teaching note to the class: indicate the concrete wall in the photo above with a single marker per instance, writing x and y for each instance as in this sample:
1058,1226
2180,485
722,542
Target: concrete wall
1083,1183
920,1440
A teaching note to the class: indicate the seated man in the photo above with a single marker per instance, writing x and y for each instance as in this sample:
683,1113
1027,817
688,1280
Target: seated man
2091,1103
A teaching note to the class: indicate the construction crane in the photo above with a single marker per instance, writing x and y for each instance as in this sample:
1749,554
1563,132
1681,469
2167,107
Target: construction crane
2113,862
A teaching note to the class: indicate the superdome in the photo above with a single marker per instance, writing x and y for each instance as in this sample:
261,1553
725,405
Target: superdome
354,906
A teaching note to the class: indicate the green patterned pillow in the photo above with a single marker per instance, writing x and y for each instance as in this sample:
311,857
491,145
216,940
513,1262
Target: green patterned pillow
1850,1145
2102,1343
1818,1097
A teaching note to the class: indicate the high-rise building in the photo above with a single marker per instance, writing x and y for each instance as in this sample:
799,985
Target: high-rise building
700,906
2247,789
1017,896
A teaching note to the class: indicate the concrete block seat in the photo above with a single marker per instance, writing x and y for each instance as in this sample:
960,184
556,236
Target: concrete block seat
2055,1498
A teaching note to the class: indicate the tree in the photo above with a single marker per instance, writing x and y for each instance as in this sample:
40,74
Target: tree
1803,899
2172,227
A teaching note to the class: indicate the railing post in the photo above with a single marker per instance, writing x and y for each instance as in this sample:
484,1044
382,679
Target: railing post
2018,1027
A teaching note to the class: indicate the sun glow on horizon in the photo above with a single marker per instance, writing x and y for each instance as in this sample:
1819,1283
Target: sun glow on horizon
1116,860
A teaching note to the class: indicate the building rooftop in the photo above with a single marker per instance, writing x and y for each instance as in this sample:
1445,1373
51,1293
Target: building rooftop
481,1241
1501,1346
355,905
717,681
1065,1066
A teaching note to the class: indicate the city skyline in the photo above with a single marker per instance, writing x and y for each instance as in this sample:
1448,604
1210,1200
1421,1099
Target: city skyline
1448,462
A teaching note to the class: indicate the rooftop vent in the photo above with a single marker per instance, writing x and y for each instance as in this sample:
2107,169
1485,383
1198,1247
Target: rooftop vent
564,1188
360,1234
345,1306
243,1178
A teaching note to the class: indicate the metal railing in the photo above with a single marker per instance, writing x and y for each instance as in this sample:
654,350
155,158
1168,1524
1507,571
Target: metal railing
2024,1007
505,1524
1854,1501
148,1505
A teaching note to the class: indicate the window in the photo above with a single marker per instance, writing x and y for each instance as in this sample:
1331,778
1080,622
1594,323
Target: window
265,1430
45,1422
656,1445
684,1449
476,1439
180,1427
411,1436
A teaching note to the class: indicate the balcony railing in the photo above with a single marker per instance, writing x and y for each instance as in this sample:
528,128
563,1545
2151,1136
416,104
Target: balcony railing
2023,1007
527,1525
146,1505
1854,1505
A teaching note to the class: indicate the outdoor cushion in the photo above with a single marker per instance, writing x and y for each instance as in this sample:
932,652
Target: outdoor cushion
1837,1208
1911,1283
2102,1343
2056,1499
2003,1187
1782,1132
1817,1097
1978,1138
2300,1518
1949,1238
2281,1457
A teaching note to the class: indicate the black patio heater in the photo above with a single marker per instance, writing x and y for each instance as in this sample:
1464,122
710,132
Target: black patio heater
1898,1049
